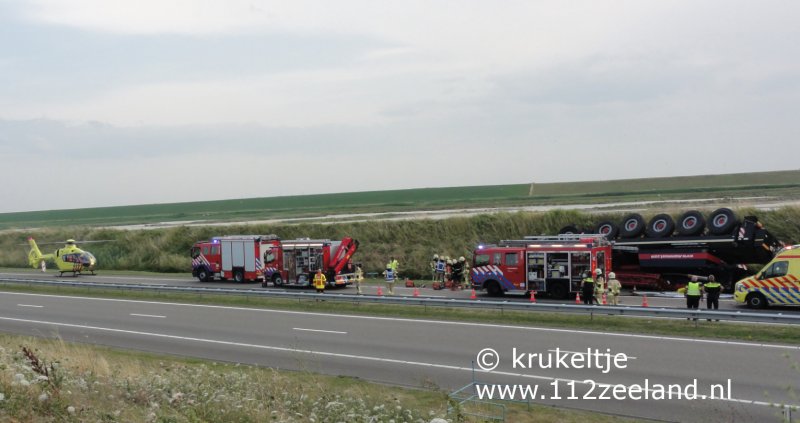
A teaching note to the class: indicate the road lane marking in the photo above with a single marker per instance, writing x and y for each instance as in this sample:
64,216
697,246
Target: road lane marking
29,305
363,357
148,315
320,330
433,322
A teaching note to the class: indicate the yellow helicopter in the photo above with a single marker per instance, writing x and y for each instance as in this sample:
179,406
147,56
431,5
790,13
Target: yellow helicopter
69,259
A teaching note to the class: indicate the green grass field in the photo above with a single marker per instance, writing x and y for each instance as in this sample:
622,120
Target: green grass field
783,184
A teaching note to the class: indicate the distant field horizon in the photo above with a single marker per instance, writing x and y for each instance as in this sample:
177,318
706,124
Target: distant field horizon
781,184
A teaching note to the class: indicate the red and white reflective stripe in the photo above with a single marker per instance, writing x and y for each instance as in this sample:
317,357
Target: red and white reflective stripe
741,233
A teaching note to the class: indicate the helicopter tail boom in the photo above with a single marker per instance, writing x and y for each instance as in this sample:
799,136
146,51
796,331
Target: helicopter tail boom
35,256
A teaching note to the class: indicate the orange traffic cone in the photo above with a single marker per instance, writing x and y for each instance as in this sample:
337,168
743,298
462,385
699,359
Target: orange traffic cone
380,292
533,296
604,299
577,298
473,296
644,300
416,292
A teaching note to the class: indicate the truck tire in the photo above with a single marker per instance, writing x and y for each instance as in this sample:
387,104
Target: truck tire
493,288
238,276
660,226
722,221
756,300
203,275
568,230
691,223
607,228
277,280
632,226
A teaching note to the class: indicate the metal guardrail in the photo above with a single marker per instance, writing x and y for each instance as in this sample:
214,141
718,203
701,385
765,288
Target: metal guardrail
792,319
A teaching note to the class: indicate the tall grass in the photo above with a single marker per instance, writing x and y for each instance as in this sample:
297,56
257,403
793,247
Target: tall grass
412,242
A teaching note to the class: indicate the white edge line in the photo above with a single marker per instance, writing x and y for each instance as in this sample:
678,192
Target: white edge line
29,305
320,330
362,357
396,319
148,315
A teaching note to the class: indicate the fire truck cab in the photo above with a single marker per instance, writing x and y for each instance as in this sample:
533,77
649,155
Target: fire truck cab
550,265
237,257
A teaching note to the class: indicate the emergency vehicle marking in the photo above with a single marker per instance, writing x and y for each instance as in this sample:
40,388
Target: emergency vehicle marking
200,261
778,290
484,273
259,267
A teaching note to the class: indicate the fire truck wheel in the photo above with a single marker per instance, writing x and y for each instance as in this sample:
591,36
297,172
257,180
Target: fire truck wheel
691,223
607,228
493,289
568,230
202,276
632,226
660,226
238,276
722,221
756,300
277,280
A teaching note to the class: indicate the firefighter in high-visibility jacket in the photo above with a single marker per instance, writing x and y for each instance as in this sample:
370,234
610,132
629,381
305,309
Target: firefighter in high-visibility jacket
614,288
599,286
359,277
319,282
433,267
587,288
694,292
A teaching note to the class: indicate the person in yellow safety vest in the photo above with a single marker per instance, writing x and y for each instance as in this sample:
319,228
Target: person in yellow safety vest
359,278
390,275
694,292
319,282
712,289
599,286
614,287
587,288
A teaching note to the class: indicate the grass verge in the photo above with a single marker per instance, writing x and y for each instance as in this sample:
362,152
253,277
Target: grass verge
45,380
784,334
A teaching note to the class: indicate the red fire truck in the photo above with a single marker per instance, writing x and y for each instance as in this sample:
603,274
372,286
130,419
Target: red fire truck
294,262
544,264
237,257
267,258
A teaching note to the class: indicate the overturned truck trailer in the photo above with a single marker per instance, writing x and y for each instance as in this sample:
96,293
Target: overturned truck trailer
664,253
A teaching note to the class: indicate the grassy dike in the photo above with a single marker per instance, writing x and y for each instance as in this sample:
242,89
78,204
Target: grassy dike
412,242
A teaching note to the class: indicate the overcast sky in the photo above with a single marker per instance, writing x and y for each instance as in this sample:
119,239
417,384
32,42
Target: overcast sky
113,102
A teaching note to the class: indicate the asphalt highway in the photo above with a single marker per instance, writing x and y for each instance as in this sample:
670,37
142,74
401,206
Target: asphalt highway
433,353
654,299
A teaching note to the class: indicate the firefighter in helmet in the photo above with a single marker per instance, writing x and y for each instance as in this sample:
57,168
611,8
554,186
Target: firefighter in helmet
587,288
599,286
614,288
465,272
434,261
